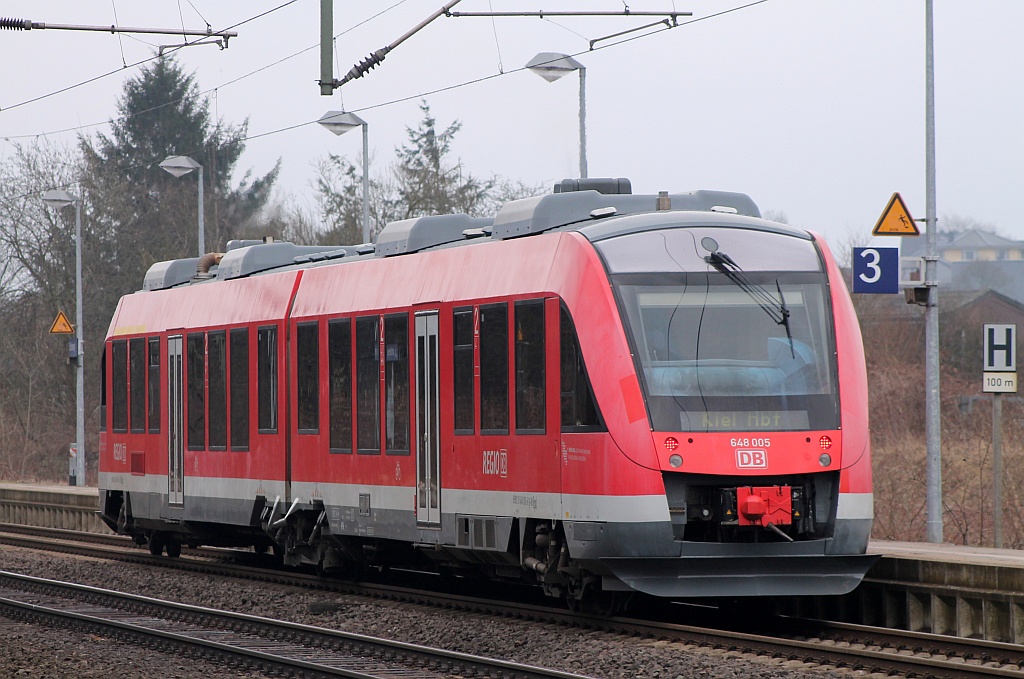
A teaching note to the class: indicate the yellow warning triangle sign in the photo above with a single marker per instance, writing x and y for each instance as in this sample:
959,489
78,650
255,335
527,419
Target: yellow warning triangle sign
61,325
896,220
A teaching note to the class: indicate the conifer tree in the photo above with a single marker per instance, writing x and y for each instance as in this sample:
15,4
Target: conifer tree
140,213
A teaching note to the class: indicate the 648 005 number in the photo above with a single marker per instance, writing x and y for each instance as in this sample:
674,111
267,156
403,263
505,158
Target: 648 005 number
755,442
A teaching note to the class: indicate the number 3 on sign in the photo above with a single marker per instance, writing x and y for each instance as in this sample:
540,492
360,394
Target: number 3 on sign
872,258
876,270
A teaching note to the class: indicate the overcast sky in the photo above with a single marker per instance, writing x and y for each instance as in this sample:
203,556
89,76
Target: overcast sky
815,109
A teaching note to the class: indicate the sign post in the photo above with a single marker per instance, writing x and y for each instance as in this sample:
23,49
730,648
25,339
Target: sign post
1000,377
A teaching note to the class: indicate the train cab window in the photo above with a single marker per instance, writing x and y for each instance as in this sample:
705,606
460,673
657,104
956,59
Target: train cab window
339,365
494,369
579,407
368,385
239,358
396,384
529,367
137,383
218,398
196,390
103,390
463,365
739,340
307,374
266,379
119,377
153,384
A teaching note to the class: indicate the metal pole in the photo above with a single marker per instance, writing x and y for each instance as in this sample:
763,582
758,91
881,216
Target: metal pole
366,183
997,467
326,47
933,431
583,122
80,368
202,227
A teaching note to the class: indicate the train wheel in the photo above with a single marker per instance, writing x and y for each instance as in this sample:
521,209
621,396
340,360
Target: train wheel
156,544
173,549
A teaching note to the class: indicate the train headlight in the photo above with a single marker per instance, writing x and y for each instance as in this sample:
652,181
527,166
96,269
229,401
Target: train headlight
671,443
824,459
825,442
676,460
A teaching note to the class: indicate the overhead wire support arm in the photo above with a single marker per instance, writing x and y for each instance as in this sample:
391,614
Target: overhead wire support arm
582,13
12,24
328,84
374,58
669,23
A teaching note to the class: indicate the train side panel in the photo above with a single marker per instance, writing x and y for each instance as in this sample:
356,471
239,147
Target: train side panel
219,485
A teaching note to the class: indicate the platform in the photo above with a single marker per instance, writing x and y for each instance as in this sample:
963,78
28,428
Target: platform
51,506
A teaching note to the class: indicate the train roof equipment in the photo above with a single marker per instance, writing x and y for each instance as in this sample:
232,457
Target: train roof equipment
412,235
574,204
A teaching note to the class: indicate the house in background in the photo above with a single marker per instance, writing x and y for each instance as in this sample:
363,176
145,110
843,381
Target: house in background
974,260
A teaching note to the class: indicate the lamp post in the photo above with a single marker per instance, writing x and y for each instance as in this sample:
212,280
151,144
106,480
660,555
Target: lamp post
339,123
180,166
59,198
551,66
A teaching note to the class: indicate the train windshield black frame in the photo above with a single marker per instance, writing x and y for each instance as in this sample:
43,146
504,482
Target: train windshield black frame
711,359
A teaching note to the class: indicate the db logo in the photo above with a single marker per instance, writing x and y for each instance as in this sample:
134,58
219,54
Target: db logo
751,459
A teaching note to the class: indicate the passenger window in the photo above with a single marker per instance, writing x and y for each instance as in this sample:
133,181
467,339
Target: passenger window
396,384
266,378
579,407
463,366
119,376
153,384
196,369
308,377
339,363
240,389
137,383
103,390
494,369
368,384
529,358
218,401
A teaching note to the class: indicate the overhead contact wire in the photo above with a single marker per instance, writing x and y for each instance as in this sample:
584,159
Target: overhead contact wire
390,102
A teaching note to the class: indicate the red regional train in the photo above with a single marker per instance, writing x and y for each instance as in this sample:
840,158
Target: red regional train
593,391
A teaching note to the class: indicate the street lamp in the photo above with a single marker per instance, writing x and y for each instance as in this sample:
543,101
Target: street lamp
551,66
339,123
59,198
180,166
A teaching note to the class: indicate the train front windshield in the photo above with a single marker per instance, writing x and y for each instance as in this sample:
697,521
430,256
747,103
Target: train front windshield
726,340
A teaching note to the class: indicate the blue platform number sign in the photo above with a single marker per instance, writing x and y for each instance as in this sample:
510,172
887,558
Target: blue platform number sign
876,270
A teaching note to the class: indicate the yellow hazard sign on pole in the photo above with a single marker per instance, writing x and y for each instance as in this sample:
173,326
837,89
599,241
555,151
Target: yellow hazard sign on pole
896,220
61,325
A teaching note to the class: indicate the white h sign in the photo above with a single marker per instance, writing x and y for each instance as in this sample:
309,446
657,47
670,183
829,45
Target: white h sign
1000,348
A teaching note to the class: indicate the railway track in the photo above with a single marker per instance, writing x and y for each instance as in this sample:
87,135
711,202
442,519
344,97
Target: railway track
242,640
813,642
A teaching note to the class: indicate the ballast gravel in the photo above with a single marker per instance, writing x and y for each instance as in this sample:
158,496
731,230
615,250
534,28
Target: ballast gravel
33,651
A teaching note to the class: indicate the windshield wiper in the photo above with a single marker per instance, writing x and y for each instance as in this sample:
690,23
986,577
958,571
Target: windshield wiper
776,309
785,317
